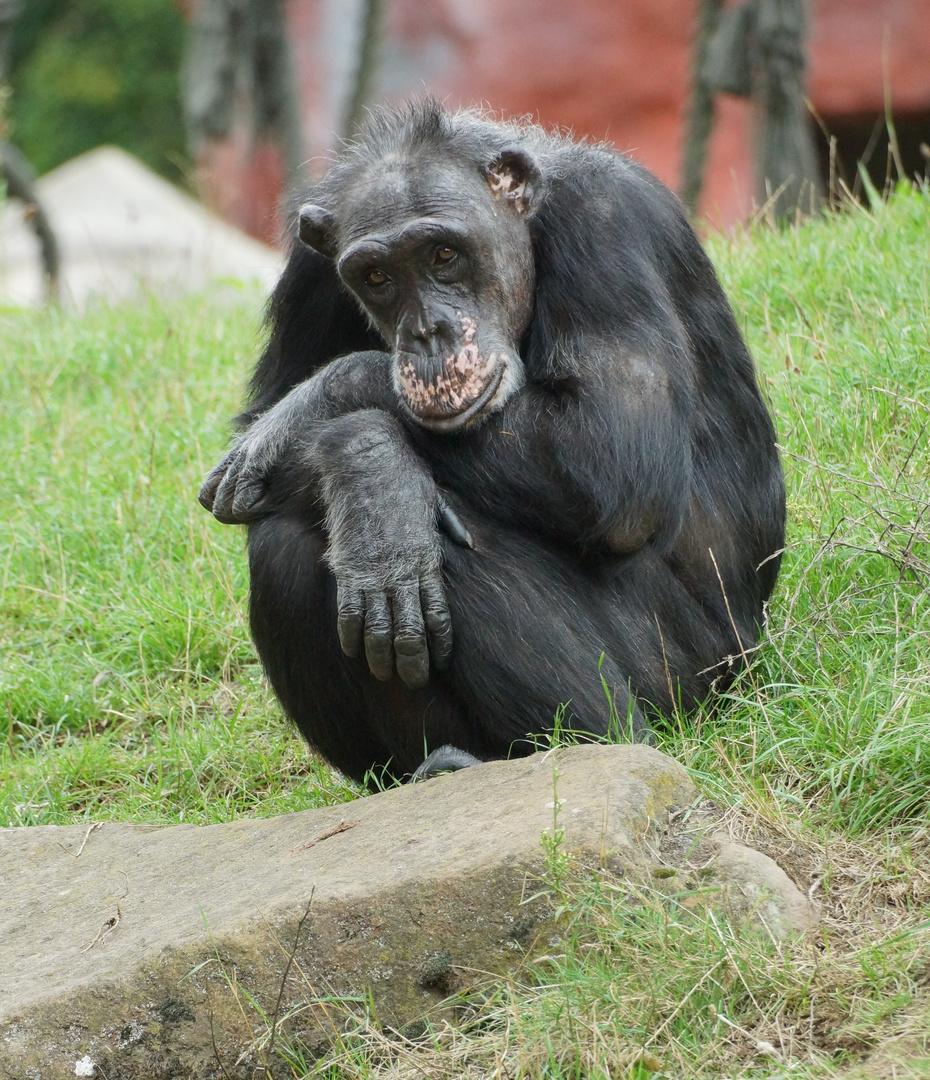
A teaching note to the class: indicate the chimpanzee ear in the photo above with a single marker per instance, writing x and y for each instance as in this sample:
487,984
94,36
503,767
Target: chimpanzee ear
514,177
316,227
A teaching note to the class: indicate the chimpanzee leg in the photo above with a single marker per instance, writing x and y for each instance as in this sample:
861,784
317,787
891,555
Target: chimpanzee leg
352,719
522,647
612,642
534,633
528,644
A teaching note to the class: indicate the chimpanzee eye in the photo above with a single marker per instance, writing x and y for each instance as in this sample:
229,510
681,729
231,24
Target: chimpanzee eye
445,254
375,278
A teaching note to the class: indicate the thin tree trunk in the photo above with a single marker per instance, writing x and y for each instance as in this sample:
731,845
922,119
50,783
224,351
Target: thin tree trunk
277,104
239,64
19,180
700,122
787,177
367,68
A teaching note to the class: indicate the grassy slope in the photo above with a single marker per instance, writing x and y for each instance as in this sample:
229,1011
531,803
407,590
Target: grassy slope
836,713
128,684
128,688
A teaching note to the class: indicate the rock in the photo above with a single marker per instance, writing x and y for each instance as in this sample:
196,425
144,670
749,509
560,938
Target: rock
140,951
757,886
123,233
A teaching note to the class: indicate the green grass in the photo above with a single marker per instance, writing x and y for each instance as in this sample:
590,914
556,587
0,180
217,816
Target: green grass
833,719
129,689
643,986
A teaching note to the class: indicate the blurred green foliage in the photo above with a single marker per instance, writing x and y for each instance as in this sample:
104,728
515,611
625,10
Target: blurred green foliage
98,71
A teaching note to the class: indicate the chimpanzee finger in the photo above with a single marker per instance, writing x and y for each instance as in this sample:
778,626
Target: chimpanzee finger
379,635
247,501
438,620
410,649
350,621
207,492
236,495
452,524
224,491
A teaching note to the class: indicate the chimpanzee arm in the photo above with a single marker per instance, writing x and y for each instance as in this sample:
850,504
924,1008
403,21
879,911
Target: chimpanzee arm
597,459
242,486
321,455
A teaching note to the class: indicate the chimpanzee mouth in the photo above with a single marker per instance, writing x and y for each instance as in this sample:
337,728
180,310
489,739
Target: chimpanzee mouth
459,393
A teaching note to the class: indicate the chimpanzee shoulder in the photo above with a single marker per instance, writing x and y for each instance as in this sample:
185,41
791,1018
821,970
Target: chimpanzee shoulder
311,318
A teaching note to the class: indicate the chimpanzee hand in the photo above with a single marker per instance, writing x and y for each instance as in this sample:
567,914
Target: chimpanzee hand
381,517
401,621
239,489
236,491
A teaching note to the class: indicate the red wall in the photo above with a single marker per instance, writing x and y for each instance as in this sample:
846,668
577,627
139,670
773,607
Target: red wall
607,69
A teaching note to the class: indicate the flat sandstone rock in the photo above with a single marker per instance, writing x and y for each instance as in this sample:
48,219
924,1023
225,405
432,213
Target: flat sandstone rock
141,949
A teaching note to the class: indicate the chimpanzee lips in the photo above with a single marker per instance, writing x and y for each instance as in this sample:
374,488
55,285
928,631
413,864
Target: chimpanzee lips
463,385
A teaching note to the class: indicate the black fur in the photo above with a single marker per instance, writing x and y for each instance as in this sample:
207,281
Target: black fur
625,504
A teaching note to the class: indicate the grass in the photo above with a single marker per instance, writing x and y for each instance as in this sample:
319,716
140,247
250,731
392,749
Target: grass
129,689
644,986
833,719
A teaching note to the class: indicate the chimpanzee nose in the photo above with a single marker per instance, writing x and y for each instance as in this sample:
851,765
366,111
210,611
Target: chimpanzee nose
425,331
432,331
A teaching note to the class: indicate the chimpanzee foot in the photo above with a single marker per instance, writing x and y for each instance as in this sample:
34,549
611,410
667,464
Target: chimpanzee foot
445,759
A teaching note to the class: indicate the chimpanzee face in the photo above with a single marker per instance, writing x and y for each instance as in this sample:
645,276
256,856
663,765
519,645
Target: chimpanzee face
440,257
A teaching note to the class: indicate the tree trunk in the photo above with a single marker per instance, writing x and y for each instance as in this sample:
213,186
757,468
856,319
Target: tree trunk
700,122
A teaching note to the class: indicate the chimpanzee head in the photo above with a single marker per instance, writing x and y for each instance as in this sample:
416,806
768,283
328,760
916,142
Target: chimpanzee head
436,247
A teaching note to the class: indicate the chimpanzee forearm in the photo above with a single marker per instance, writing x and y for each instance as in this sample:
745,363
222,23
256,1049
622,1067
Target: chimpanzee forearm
383,547
252,478
320,456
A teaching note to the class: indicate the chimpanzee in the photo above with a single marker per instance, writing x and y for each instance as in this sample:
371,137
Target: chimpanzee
506,440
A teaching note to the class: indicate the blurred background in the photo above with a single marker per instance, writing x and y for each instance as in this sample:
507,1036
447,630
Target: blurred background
238,102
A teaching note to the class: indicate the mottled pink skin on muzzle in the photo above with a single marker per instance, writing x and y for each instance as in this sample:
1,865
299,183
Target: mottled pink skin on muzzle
465,382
